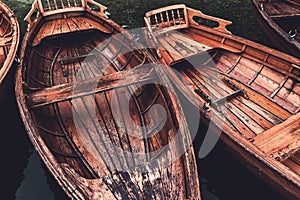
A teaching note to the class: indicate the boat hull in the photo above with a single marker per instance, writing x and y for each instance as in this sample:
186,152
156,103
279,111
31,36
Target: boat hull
10,35
236,85
279,37
101,115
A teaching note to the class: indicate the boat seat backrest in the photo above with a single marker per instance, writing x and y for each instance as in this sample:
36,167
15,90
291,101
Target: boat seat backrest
166,19
60,4
43,8
52,5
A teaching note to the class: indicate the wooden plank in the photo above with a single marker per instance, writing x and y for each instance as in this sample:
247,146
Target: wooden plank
4,41
127,128
293,2
291,84
262,100
284,137
69,91
236,122
273,75
212,43
292,165
265,83
67,25
267,64
247,108
224,63
187,46
262,111
175,55
252,123
286,103
290,96
236,106
285,16
296,157
257,110
234,115
100,139
182,48
85,137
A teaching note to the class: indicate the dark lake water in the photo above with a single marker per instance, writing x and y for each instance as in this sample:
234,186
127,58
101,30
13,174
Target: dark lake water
24,177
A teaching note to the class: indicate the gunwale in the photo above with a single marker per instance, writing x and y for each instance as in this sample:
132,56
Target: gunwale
12,37
182,57
77,186
274,29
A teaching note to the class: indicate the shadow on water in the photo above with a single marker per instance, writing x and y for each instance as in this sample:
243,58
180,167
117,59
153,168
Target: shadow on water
14,148
33,177
222,176
24,177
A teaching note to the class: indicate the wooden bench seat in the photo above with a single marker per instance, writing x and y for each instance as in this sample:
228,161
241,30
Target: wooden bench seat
281,141
67,25
82,88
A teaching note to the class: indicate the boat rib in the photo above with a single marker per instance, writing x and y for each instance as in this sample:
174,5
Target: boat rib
102,116
251,92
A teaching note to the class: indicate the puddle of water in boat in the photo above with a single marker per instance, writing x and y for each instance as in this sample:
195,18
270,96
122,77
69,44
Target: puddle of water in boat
23,176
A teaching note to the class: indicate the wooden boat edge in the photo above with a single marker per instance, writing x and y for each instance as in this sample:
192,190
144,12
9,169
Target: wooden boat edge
241,143
39,145
15,42
222,31
270,28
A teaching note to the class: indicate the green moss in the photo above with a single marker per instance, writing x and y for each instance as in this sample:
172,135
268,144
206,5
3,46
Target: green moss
20,9
130,13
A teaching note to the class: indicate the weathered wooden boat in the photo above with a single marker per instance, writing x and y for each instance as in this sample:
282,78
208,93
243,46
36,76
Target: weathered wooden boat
102,117
9,41
249,91
281,22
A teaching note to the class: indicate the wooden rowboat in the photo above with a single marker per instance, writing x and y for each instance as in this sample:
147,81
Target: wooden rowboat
100,114
249,91
9,41
281,21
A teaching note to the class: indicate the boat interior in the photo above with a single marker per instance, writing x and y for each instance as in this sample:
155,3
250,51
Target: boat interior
257,93
102,109
286,14
6,36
